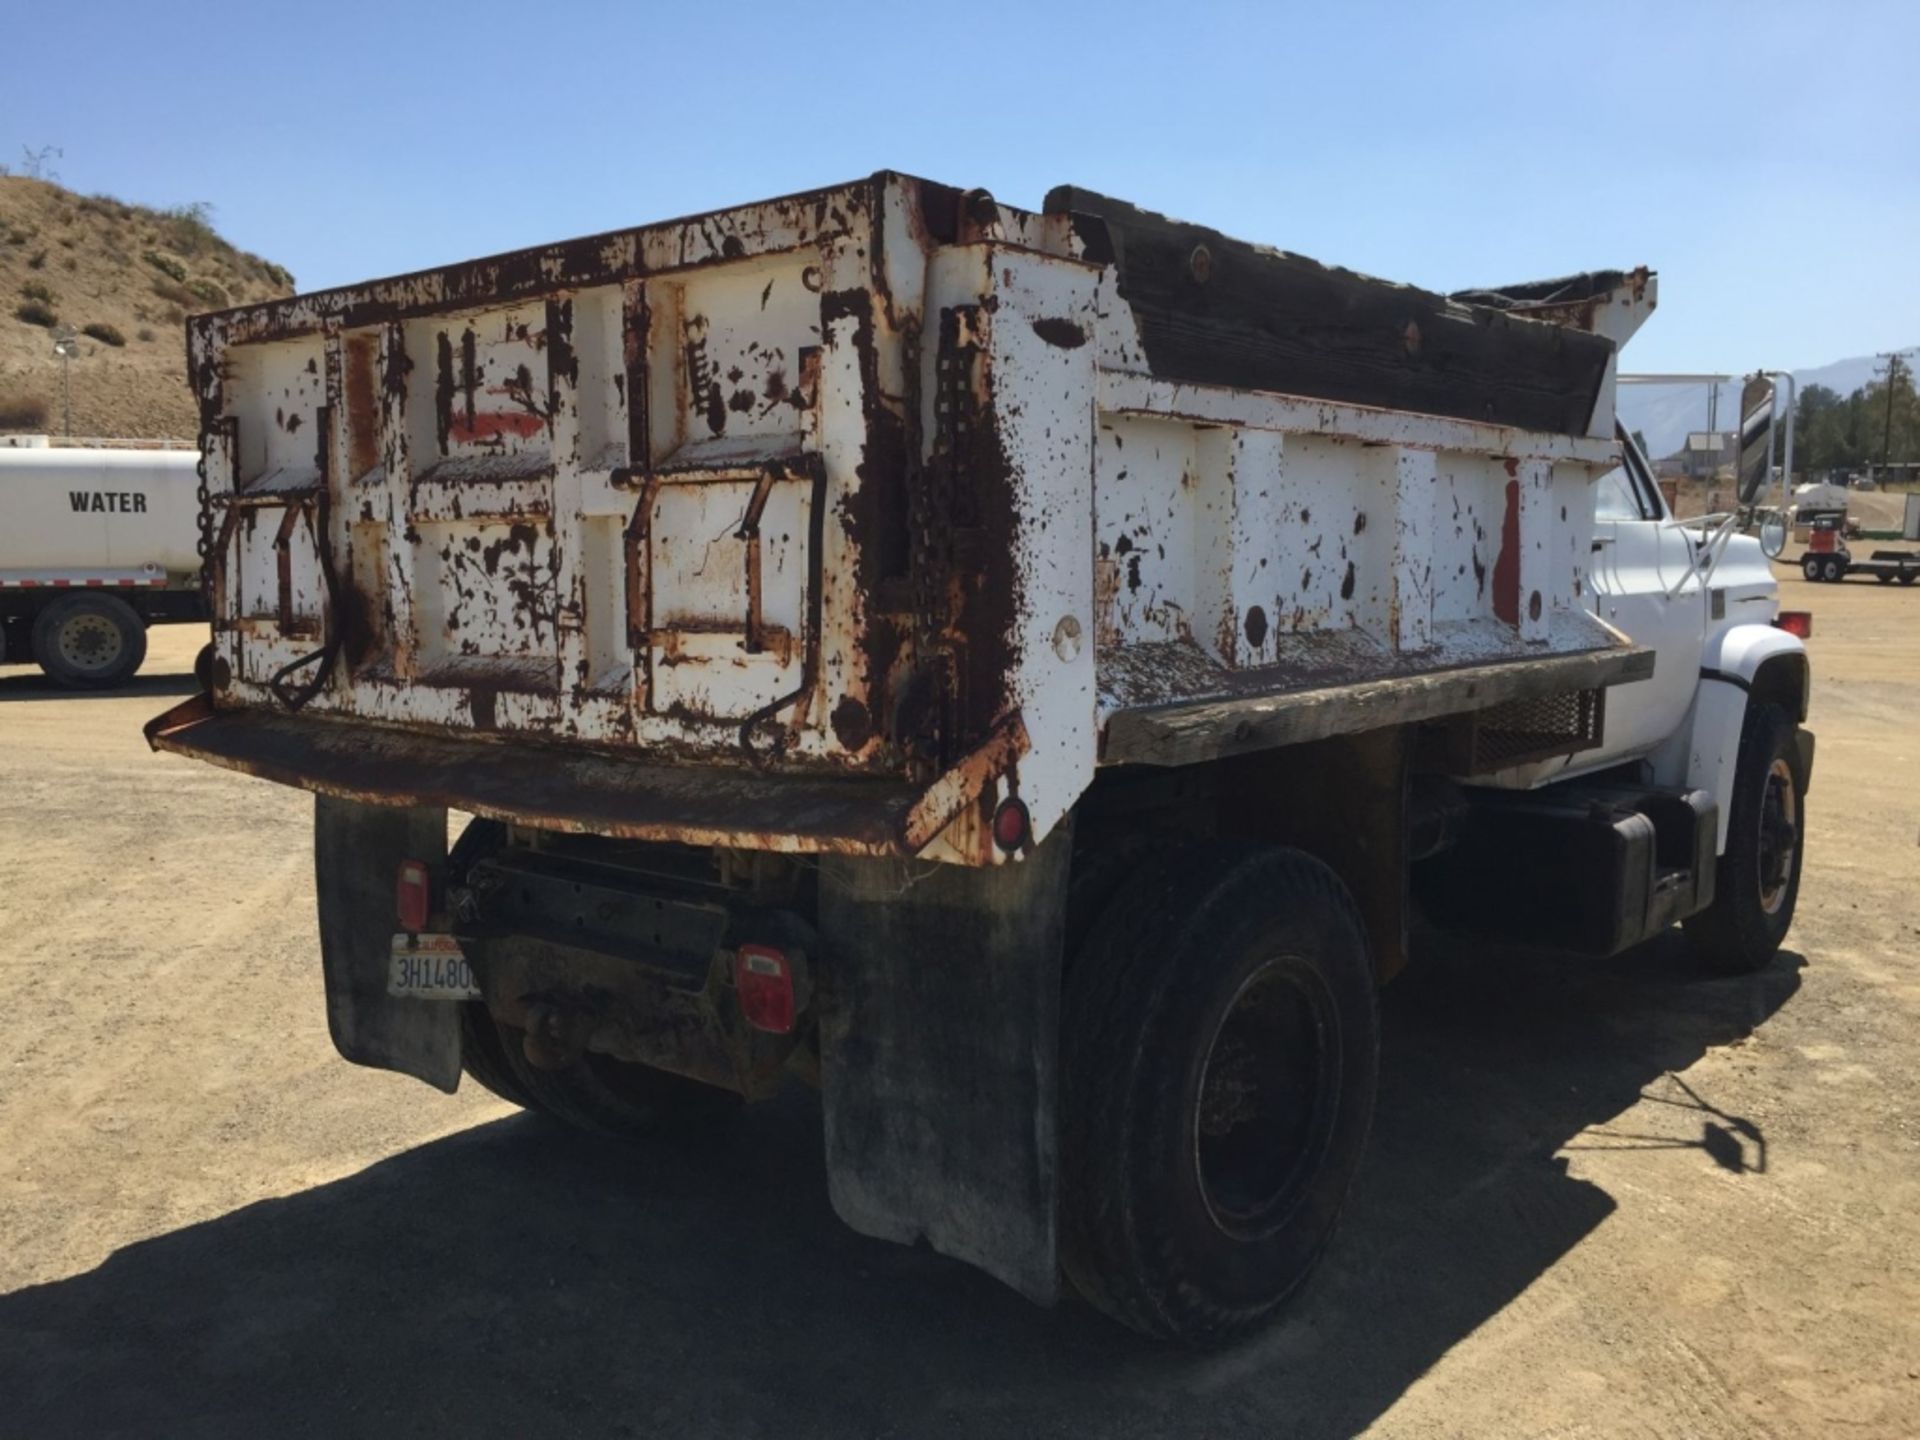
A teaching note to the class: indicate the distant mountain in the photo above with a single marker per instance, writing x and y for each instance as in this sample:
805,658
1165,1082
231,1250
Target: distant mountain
1666,413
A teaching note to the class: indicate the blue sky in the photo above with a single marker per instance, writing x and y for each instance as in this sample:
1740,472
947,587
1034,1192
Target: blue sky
1764,158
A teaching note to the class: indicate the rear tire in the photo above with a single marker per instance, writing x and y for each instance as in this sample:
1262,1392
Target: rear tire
1757,882
1810,567
483,1056
615,1097
1102,871
1219,1062
1907,577
1833,569
595,1092
89,642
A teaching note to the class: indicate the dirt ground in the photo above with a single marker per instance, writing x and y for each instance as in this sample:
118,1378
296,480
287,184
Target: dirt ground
1602,1200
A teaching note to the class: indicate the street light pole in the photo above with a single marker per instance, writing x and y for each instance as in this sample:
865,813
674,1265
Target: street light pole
66,341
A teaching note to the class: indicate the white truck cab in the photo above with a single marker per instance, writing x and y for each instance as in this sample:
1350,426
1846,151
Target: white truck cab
1707,611
1716,723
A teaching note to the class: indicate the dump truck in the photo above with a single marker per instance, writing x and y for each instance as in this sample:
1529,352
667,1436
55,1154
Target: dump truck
1022,672
97,542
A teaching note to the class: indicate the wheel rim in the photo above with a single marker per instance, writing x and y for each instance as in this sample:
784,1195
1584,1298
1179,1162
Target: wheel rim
1263,1115
91,644
1779,836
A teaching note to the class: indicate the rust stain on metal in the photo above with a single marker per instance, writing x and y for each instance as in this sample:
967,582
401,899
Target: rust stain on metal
749,532
965,784
583,789
1506,566
362,406
852,723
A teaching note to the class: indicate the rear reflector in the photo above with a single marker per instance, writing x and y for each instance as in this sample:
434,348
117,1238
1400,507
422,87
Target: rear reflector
1012,826
763,976
413,895
1795,622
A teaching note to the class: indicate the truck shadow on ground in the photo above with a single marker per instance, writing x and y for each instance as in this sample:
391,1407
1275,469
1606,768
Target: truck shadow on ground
513,1280
33,685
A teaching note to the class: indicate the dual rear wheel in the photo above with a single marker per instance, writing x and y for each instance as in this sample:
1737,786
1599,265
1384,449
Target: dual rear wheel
595,1092
592,1092
1219,1062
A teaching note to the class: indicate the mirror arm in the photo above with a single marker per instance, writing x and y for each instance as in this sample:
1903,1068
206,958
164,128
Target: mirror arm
1707,556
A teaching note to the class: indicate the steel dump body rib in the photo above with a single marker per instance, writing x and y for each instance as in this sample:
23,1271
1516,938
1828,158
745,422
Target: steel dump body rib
831,522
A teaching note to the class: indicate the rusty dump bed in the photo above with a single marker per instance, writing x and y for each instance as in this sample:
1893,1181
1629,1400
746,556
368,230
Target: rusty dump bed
830,522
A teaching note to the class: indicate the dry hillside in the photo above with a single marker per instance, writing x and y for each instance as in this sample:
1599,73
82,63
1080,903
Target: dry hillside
126,276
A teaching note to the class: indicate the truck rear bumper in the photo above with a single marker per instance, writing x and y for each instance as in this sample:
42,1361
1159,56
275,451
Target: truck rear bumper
586,791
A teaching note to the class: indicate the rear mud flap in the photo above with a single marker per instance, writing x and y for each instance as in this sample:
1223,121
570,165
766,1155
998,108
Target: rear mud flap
939,1038
356,851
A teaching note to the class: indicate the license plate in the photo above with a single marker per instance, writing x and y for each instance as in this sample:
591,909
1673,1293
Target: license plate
430,967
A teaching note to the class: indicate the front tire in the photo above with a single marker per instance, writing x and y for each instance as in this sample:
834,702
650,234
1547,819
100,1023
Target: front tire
89,642
1220,1058
1758,880
1810,567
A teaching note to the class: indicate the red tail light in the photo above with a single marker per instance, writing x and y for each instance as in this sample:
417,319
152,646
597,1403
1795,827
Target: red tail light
763,976
1012,826
413,895
1795,622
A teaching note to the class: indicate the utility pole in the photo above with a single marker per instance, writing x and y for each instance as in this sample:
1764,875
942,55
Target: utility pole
1896,362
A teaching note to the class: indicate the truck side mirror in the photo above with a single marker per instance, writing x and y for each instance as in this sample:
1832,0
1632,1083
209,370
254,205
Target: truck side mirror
1756,437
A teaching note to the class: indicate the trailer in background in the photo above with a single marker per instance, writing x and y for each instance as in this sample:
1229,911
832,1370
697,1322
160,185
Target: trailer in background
1828,558
97,542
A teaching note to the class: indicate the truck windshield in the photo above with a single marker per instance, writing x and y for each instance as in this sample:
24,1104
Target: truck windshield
1627,491
1614,497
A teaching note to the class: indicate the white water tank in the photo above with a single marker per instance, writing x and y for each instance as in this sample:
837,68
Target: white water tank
1819,496
74,509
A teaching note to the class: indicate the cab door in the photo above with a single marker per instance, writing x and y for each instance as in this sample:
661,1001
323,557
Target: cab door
1644,582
